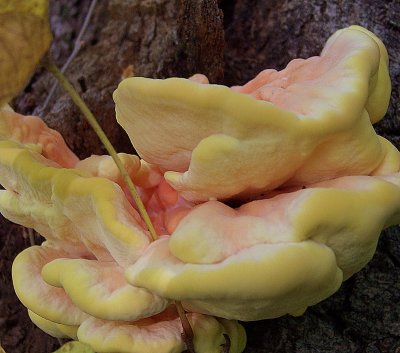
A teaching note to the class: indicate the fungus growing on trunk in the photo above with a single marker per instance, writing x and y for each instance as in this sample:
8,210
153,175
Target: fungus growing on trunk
294,150
307,123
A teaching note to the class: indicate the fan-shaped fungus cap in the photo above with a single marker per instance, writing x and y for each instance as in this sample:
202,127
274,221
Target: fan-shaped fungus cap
277,255
100,289
66,207
48,302
52,328
215,142
31,130
161,334
158,334
80,206
264,281
66,290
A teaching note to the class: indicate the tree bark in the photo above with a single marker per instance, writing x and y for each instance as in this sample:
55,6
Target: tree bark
230,41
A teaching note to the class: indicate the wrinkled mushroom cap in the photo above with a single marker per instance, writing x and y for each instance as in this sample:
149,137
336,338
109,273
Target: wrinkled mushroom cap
48,302
32,130
52,328
100,289
65,206
66,291
260,282
161,334
73,285
274,256
214,142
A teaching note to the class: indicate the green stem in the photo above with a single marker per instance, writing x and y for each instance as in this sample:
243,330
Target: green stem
187,329
103,138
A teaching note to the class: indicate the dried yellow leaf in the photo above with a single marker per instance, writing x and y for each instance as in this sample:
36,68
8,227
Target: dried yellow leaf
24,37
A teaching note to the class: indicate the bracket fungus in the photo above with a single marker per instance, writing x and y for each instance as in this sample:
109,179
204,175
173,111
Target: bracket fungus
73,284
309,122
297,151
294,150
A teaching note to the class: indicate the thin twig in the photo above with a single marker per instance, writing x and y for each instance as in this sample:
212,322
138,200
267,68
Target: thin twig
187,334
77,47
104,139
187,329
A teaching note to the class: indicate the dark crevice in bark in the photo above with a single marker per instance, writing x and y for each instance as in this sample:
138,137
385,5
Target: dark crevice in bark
201,39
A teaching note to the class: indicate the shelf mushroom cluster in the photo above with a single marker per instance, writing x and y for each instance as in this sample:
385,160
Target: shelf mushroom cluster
73,284
265,196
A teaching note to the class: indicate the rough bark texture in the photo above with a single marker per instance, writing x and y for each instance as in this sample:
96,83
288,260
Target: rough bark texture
162,38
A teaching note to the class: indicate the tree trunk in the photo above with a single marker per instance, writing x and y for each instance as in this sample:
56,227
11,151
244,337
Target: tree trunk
230,41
